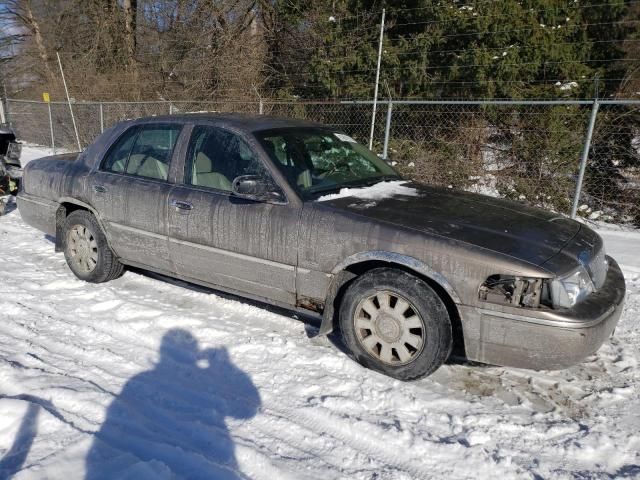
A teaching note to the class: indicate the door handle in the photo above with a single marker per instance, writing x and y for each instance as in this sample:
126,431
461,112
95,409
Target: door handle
179,205
99,189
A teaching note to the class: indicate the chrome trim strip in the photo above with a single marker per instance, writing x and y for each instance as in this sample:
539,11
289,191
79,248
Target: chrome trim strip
137,230
228,253
27,199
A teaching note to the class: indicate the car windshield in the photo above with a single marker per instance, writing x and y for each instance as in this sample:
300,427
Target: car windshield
318,161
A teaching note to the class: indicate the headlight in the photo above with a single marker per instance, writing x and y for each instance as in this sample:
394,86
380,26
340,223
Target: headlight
512,290
571,289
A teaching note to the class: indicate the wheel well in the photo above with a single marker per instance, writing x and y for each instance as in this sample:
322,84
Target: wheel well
355,270
62,213
72,207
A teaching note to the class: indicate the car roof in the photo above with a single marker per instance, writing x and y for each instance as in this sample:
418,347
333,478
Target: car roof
251,123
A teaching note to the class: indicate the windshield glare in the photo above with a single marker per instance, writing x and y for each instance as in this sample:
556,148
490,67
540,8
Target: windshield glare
317,161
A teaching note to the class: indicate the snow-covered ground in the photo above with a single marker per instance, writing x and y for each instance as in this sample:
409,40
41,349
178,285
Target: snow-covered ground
212,387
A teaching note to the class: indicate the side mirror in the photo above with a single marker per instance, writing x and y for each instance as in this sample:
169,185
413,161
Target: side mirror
256,187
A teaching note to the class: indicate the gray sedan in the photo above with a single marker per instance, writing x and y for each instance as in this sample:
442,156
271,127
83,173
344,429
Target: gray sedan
301,216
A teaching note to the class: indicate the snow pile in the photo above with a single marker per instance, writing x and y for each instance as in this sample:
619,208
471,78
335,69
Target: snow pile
32,152
148,378
379,191
486,184
567,86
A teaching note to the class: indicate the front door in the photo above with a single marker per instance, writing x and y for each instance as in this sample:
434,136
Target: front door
217,238
130,192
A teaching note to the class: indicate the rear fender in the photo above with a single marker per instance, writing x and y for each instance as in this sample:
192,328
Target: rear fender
61,215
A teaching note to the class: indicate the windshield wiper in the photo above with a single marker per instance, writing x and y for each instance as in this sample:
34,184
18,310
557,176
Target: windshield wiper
368,182
333,188
373,181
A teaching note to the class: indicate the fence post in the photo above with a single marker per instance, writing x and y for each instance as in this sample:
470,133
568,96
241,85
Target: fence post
170,108
584,158
3,117
53,140
387,129
260,107
375,92
101,119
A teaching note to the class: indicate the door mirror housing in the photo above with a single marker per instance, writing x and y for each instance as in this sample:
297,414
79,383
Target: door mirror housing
258,188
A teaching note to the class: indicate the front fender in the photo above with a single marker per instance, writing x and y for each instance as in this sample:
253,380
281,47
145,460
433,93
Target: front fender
341,276
399,259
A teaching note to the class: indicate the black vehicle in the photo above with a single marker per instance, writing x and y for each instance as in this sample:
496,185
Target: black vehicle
10,166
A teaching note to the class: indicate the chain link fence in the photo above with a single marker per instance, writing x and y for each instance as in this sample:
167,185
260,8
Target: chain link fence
528,151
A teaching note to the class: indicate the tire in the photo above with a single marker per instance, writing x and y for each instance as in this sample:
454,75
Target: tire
403,343
86,250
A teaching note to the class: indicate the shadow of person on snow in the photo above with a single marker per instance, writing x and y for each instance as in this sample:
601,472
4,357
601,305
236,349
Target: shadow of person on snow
13,460
170,421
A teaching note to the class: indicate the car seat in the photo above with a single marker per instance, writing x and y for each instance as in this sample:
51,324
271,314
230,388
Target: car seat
204,175
146,164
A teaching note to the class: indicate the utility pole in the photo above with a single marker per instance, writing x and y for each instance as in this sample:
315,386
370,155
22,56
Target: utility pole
73,118
375,93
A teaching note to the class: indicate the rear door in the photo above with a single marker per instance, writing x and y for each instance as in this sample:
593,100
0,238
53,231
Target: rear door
217,238
130,192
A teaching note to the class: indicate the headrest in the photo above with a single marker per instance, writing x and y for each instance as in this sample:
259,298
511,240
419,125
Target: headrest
203,163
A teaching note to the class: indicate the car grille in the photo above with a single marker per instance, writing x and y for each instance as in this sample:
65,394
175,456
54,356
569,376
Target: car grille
598,267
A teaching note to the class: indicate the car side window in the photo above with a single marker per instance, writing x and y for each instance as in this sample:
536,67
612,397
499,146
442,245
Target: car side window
215,157
151,153
116,159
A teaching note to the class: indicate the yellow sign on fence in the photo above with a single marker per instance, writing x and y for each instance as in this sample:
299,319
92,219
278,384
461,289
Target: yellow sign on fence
45,97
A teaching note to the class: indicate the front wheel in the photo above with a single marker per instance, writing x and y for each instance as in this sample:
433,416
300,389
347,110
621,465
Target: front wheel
395,323
86,250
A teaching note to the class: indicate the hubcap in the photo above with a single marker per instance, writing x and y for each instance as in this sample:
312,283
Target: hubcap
82,248
389,328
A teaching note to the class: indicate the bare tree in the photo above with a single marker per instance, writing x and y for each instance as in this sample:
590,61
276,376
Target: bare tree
130,8
19,14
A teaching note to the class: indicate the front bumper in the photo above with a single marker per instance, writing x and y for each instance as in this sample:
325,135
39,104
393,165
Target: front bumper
546,339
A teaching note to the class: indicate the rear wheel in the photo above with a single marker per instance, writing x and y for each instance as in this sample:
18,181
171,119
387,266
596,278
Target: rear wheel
86,250
393,322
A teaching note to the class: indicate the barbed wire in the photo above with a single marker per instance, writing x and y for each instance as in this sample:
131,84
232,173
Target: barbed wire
385,74
197,44
178,64
530,29
474,6
293,63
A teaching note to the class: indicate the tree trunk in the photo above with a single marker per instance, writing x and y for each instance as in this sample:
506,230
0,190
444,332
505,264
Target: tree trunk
130,20
37,34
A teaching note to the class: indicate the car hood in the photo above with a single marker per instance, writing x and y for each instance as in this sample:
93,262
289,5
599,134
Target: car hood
529,234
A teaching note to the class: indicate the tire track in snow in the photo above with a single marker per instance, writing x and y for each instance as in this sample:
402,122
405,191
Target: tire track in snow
316,425
88,331
288,425
120,334
84,330
375,447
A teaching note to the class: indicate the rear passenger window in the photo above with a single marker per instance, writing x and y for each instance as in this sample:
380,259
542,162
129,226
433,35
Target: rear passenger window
116,160
143,151
151,153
